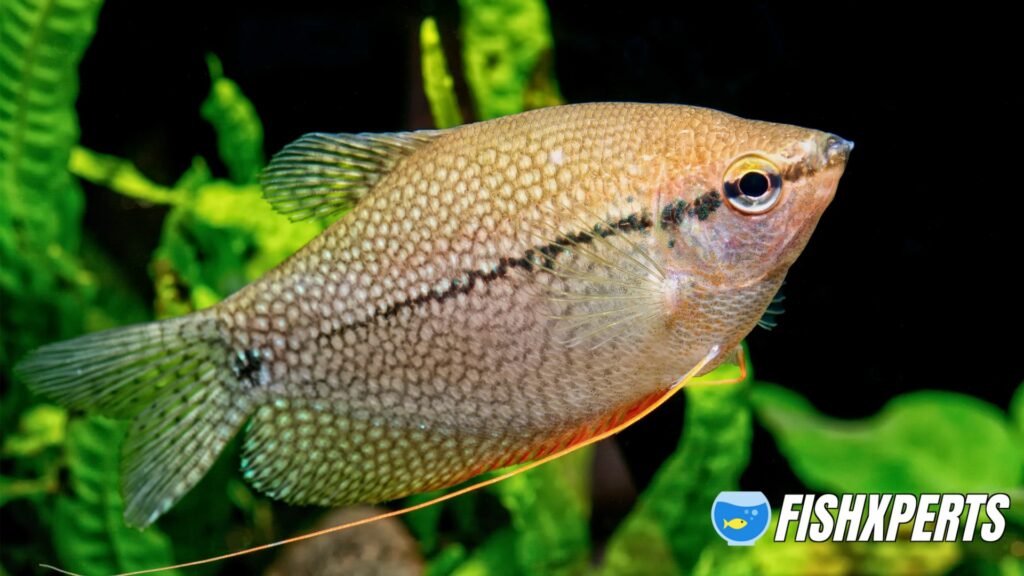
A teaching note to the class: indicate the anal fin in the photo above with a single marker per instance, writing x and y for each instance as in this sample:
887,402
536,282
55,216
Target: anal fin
319,452
316,452
487,481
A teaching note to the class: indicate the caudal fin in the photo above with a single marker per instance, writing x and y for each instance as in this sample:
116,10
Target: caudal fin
172,378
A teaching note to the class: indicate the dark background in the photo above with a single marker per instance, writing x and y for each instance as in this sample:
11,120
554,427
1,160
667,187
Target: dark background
910,281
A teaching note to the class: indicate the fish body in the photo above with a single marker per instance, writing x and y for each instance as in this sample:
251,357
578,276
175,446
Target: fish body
497,292
735,523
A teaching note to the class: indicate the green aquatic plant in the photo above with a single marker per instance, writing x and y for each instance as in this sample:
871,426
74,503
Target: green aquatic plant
44,285
218,235
508,56
437,80
89,532
899,449
921,442
239,130
667,532
40,203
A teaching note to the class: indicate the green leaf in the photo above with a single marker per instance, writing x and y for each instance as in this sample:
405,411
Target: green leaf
437,82
238,127
640,547
41,427
201,522
35,455
117,303
446,561
425,523
196,176
119,175
669,529
1017,409
901,557
715,560
89,530
222,238
495,557
550,511
507,53
16,488
919,442
42,283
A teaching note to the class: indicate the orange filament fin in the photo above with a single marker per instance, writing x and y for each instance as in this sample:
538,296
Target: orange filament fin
733,371
664,397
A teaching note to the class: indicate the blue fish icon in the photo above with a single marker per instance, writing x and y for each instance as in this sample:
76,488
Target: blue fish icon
740,518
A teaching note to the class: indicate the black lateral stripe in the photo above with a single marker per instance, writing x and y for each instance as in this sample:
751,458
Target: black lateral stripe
704,205
701,208
534,259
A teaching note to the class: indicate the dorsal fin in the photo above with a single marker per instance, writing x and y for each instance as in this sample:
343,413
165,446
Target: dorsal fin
322,174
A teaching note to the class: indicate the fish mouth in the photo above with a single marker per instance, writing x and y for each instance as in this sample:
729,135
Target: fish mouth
837,151
836,155
823,186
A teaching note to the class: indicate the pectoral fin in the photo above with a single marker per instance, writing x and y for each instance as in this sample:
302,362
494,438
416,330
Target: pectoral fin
769,319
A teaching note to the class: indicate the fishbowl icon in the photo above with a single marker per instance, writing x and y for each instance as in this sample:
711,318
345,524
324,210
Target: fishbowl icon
740,518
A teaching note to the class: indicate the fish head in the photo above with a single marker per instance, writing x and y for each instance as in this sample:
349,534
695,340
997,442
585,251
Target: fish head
753,192
736,202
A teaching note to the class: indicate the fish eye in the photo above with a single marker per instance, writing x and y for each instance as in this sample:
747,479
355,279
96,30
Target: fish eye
752,185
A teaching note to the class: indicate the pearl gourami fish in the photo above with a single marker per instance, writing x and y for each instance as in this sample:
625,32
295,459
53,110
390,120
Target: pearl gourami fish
495,293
